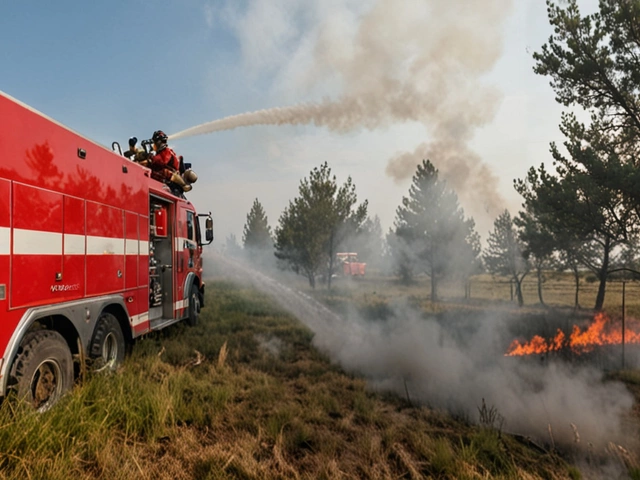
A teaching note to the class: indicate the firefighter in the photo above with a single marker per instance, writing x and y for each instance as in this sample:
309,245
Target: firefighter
165,163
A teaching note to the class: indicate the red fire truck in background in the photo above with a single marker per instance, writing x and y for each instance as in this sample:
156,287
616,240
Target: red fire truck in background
351,267
93,254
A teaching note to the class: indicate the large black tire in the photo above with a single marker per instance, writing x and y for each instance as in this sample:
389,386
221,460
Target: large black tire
43,369
194,306
107,344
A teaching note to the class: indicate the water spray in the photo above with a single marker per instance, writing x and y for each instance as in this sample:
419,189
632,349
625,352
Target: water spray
303,113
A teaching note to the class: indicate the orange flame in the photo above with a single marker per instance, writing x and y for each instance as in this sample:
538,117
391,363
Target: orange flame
600,332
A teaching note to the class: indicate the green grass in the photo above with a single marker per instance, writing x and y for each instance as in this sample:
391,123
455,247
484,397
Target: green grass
245,395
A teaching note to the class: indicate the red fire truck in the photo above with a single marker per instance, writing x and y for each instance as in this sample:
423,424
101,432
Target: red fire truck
350,265
93,254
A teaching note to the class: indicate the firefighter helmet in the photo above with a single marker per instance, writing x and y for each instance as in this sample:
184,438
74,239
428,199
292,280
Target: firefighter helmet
159,137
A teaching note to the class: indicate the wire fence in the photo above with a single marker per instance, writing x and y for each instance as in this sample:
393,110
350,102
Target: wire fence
554,292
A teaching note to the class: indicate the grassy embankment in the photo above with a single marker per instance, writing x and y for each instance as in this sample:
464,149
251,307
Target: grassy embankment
245,395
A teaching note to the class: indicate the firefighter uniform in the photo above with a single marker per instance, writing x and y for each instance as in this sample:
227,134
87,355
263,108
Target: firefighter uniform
164,163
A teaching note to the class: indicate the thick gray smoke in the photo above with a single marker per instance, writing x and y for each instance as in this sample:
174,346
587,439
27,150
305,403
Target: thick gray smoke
473,181
455,368
409,61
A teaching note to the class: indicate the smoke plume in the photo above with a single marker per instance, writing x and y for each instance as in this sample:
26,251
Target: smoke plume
473,181
410,61
457,364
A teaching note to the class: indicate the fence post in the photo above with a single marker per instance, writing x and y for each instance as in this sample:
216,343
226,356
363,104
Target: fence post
623,309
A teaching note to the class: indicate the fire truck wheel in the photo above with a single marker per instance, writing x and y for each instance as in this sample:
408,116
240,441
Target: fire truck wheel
194,306
43,370
107,345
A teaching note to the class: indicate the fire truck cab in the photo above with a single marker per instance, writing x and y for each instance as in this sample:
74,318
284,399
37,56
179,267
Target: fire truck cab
94,253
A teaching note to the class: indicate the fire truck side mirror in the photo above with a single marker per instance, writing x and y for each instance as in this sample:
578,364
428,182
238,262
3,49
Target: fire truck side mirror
208,229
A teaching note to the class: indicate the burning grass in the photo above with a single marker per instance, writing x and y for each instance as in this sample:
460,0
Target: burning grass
226,400
600,332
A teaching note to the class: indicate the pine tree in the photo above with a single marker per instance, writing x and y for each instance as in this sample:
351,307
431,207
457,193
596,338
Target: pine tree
504,253
580,206
256,237
433,231
539,245
593,62
400,257
315,223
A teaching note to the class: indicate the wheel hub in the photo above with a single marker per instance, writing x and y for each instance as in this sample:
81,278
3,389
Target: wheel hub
45,384
110,350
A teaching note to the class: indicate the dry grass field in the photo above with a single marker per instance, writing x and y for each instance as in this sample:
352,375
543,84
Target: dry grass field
558,290
245,395
373,297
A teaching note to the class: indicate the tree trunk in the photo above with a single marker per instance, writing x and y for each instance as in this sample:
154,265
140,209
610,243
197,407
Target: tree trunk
434,283
312,280
602,276
519,290
601,291
539,274
331,255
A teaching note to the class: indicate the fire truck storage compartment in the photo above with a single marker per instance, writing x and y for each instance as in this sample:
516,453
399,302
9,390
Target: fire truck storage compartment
37,261
160,259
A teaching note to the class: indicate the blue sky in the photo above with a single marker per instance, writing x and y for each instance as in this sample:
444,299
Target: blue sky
119,64
110,70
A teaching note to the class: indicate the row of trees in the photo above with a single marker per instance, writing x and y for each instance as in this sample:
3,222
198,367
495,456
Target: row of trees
323,219
431,233
317,223
431,236
586,211
584,214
